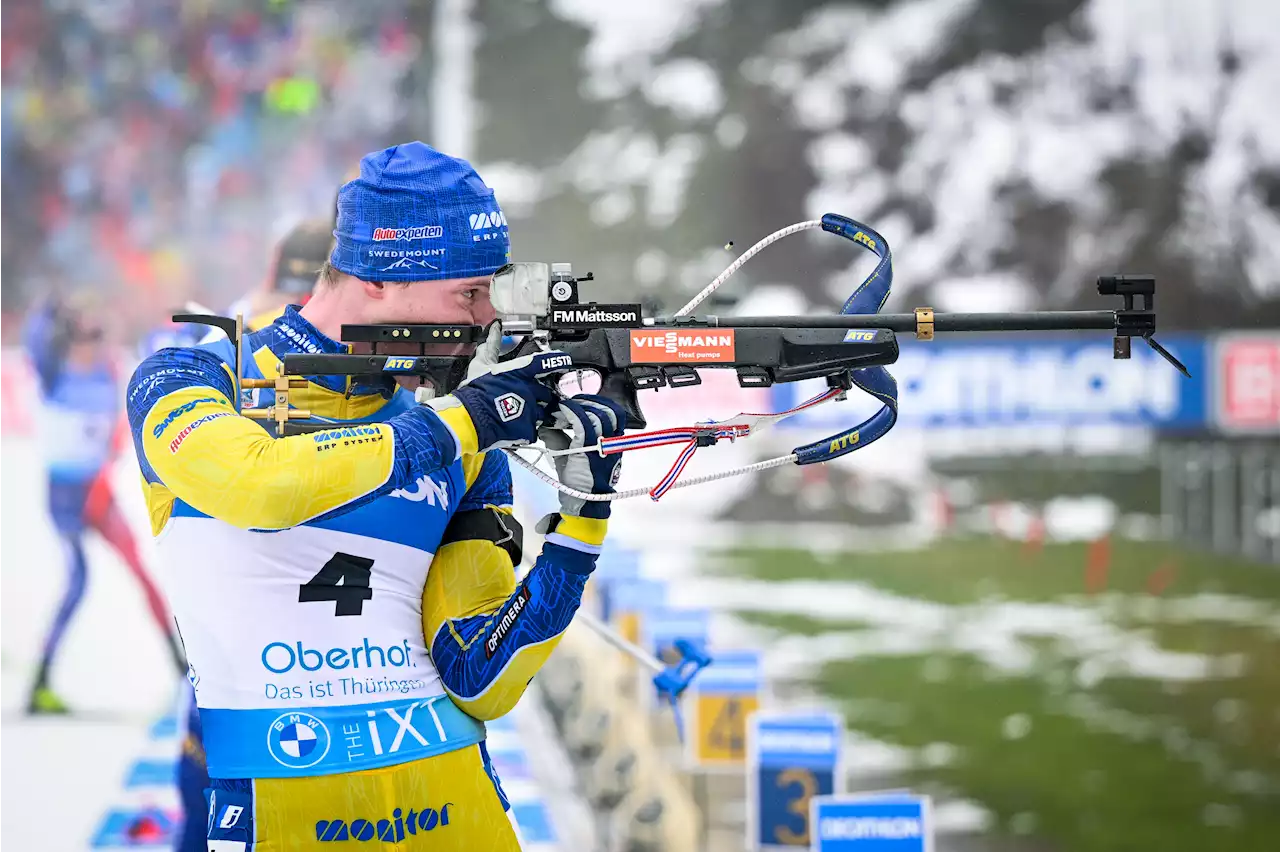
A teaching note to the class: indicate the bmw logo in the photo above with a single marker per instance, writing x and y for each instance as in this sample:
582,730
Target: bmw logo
298,740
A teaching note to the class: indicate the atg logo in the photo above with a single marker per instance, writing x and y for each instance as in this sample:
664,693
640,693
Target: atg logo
855,336
398,365
385,830
298,740
844,442
421,232
860,237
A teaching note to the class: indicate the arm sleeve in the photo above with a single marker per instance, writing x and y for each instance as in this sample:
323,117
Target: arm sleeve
489,635
189,438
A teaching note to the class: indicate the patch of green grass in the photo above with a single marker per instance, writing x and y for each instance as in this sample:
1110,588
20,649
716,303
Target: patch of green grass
1089,790
969,570
1206,636
795,624
1130,764
1237,708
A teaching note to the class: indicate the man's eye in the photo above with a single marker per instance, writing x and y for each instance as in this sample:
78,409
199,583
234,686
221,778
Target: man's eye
470,294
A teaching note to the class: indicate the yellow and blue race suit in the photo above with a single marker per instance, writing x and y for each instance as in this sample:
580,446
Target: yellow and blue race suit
346,641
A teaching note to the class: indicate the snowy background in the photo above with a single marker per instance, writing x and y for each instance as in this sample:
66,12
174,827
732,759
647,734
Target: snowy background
1010,151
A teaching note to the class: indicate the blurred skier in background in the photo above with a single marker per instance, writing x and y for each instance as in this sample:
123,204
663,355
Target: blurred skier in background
79,424
289,280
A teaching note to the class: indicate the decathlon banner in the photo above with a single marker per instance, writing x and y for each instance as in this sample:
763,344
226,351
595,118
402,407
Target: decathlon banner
871,823
1062,381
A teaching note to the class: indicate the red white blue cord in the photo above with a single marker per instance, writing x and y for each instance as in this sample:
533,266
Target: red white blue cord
732,429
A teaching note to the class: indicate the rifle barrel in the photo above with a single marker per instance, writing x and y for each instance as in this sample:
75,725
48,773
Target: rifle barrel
1016,321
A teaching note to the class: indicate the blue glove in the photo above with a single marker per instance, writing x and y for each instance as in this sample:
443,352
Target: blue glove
510,401
587,418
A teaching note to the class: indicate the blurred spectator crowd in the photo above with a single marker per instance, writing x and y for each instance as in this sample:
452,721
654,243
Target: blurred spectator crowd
153,150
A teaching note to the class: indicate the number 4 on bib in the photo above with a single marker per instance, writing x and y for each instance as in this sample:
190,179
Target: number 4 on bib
344,579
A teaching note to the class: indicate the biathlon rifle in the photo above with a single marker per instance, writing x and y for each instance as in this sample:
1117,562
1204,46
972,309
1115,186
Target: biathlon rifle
541,306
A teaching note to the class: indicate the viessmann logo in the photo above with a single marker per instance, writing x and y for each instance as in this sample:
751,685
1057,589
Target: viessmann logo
657,345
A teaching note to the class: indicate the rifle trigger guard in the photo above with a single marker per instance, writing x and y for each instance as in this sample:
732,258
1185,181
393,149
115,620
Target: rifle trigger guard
842,380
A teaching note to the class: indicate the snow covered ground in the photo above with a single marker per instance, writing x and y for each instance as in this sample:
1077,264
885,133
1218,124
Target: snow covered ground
60,775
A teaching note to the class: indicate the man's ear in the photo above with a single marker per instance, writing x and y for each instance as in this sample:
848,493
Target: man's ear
374,289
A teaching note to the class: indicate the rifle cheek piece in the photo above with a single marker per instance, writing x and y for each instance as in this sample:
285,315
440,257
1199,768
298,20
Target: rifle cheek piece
444,372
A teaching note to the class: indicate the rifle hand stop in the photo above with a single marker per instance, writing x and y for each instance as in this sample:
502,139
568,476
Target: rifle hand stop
1136,322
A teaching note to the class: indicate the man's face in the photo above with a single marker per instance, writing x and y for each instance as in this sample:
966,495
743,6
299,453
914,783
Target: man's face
458,301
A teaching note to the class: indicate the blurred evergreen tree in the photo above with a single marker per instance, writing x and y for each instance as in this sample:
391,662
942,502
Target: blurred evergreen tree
605,160
749,176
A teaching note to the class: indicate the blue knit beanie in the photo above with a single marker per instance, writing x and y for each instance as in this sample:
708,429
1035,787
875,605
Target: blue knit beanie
415,214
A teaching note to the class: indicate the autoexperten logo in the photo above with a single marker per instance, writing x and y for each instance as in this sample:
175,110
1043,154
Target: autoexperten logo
420,232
